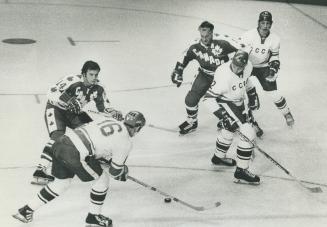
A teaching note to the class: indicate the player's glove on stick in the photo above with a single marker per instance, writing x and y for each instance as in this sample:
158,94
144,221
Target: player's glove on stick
254,103
114,113
273,69
228,122
74,106
177,75
118,172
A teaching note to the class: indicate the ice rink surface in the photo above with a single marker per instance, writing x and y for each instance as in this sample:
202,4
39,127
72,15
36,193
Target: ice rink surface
137,44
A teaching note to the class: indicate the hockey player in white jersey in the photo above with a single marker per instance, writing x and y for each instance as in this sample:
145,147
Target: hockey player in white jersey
226,99
265,59
82,152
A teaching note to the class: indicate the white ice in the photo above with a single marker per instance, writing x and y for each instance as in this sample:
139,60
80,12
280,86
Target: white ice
151,36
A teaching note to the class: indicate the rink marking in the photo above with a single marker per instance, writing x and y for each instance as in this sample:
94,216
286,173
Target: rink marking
36,95
124,9
308,16
213,169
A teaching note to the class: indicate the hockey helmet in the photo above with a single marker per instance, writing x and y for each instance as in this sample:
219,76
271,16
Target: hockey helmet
265,16
134,119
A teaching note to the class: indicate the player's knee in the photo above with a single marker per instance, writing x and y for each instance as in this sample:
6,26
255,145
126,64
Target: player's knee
192,98
274,95
225,136
248,131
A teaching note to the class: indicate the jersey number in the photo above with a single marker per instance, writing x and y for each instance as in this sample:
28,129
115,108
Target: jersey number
108,127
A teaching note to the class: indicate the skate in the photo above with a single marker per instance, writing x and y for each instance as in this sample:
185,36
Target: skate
246,177
93,220
188,127
41,178
258,130
289,119
24,214
222,161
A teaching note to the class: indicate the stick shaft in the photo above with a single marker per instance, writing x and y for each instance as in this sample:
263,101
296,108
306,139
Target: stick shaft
198,208
315,189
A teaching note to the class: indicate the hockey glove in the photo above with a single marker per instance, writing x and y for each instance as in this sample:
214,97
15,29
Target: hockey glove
177,75
74,106
118,172
273,69
226,120
114,113
254,103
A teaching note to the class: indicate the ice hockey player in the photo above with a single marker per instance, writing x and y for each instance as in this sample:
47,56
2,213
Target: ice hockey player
64,109
92,152
265,59
210,51
226,99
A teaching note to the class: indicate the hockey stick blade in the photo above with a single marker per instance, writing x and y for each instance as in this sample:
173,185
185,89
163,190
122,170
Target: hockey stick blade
311,189
197,208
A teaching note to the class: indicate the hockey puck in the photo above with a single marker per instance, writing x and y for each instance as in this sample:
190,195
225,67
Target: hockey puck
167,200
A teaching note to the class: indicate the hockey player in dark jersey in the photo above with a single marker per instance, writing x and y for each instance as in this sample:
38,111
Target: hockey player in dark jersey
64,109
210,51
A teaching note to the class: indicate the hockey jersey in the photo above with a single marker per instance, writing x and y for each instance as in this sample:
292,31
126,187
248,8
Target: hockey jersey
228,86
263,50
73,86
211,56
104,137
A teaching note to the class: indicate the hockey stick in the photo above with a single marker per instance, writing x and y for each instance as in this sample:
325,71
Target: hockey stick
162,128
88,111
198,208
314,189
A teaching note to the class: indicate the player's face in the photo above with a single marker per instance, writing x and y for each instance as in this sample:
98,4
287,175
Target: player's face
264,27
91,77
206,35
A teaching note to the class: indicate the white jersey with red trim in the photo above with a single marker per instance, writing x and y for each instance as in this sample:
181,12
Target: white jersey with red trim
230,87
104,137
263,50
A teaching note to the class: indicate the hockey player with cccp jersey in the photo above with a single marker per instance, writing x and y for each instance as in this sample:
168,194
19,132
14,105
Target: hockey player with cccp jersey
210,51
265,59
226,99
64,109
81,152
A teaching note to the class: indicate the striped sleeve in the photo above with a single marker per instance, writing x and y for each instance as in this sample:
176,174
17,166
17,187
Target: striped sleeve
275,49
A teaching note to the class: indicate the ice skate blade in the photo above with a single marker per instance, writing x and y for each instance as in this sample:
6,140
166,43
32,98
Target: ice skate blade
19,217
184,134
40,181
95,225
241,181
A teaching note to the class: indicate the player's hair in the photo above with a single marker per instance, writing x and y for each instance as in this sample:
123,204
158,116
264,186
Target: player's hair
90,65
207,24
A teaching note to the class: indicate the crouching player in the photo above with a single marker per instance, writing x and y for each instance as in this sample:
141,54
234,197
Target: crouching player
226,99
81,152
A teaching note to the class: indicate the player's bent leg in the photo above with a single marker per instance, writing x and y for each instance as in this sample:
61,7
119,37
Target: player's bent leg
97,196
67,162
281,104
45,195
258,130
244,152
223,143
40,175
191,102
